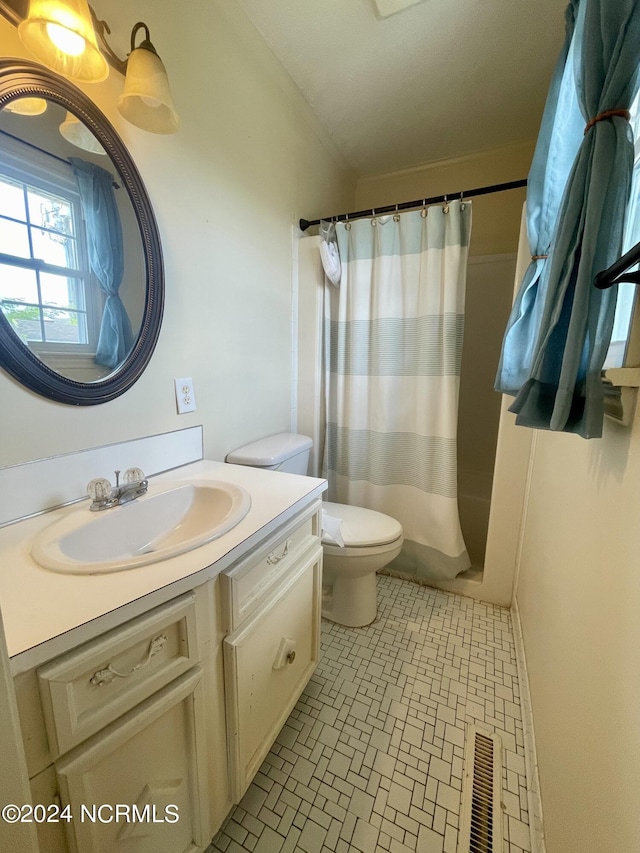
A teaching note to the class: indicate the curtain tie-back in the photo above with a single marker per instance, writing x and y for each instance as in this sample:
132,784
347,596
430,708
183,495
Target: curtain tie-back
539,257
607,114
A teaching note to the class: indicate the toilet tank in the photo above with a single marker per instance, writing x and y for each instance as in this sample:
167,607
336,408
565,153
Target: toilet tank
285,451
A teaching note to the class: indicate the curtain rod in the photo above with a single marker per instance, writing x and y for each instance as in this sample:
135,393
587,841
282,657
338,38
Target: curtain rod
615,274
421,202
35,147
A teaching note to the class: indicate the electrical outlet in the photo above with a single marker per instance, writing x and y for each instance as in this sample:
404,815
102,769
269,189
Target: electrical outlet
185,398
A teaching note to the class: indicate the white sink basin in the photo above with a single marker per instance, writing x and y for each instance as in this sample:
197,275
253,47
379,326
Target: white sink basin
167,521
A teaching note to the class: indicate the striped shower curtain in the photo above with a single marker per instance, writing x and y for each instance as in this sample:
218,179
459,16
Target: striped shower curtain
393,346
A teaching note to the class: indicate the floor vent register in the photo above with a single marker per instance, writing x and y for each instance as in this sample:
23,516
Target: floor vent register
481,817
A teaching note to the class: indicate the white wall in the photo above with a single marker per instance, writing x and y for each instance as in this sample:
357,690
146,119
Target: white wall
578,595
496,218
248,161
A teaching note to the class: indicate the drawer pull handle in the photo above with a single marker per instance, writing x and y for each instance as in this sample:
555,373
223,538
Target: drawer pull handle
273,558
286,653
107,675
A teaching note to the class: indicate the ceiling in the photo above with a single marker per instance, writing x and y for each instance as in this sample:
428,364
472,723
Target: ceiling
438,79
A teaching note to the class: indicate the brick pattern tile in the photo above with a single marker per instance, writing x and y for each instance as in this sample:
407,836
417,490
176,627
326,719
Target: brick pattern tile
371,758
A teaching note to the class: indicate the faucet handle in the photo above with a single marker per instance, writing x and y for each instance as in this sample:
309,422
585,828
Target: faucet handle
133,475
99,489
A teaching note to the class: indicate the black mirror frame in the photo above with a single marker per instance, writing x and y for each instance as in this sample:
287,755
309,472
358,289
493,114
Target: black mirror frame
23,79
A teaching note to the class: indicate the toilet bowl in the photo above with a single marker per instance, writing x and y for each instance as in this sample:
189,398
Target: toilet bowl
371,539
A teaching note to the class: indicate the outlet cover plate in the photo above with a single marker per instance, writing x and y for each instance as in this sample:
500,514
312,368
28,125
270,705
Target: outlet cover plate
185,398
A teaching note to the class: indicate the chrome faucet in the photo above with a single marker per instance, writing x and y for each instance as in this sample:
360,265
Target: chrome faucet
104,496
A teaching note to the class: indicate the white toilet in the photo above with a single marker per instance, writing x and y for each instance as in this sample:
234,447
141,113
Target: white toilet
371,539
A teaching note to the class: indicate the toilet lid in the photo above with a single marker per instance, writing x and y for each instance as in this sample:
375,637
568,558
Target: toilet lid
270,451
362,527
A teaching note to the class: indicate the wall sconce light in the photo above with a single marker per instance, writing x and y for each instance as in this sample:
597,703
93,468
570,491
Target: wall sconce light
78,134
64,36
146,100
27,106
61,36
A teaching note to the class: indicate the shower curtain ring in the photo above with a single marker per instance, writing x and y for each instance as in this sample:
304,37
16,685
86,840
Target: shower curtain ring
462,204
374,221
347,224
396,215
445,209
423,212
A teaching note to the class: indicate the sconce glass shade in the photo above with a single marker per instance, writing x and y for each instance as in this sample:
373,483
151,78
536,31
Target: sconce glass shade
60,34
146,99
75,132
27,106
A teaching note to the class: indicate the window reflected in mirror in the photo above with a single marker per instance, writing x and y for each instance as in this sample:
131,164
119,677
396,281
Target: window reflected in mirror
56,274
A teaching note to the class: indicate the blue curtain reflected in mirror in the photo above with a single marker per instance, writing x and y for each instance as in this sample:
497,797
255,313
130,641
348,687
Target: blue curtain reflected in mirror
106,257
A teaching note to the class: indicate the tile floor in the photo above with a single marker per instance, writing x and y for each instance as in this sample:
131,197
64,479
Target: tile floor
371,758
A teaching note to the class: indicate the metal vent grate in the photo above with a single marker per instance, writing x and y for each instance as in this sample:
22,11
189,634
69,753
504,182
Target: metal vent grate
481,818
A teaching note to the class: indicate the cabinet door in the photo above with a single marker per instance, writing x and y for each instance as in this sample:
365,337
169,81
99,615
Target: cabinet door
140,785
268,661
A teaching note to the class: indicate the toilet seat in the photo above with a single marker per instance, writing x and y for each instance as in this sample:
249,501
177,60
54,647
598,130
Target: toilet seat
359,551
362,528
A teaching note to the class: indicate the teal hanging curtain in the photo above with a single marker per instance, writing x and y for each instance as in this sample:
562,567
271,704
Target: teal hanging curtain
564,389
106,258
560,135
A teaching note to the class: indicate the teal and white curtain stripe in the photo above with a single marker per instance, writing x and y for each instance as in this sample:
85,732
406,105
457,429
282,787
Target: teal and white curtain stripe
393,345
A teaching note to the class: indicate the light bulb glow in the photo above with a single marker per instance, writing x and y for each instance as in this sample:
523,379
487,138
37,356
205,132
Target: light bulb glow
65,40
60,34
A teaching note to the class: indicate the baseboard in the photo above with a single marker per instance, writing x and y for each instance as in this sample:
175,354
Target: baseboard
534,801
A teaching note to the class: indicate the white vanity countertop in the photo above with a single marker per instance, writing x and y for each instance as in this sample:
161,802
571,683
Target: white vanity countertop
40,606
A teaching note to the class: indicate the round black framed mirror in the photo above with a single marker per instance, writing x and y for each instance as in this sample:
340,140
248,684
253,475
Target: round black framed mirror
81,269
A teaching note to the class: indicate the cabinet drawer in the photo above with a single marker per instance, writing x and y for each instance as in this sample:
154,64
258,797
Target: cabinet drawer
246,584
268,662
91,686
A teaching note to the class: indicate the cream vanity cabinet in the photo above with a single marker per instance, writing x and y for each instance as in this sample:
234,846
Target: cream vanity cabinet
121,722
173,711
271,611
